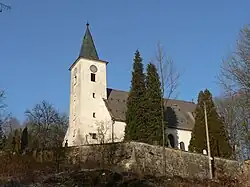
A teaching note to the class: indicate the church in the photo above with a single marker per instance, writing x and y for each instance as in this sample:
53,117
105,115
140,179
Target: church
97,113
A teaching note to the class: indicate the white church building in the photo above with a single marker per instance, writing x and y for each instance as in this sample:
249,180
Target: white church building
97,113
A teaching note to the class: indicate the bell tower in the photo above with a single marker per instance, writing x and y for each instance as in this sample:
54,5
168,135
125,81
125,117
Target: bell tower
87,91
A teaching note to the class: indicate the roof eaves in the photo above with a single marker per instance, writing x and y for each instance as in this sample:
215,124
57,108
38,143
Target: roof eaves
109,109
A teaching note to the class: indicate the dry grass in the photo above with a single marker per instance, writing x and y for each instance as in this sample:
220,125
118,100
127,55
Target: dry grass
23,168
26,170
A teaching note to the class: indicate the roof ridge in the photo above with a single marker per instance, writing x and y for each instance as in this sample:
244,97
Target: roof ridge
118,90
164,98
182,100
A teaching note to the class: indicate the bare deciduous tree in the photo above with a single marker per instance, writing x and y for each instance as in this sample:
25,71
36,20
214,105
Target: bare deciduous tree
47,125
4,7
1,123
233,115
235,71
2,105
103,131
168,73
3,119
234,78
3,116
106,148
10,125
169,83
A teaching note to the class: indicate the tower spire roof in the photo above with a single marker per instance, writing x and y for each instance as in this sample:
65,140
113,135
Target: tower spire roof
88,49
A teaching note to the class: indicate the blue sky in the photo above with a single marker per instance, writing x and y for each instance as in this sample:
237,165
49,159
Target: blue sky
39,40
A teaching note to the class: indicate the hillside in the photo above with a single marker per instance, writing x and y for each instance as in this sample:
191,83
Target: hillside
109,178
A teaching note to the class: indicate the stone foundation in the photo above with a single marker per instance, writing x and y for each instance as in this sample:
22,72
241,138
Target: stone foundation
148,159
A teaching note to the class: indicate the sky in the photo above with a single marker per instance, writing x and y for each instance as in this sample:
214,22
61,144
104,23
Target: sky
39,40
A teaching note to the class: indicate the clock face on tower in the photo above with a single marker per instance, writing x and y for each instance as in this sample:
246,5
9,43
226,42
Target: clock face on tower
93,68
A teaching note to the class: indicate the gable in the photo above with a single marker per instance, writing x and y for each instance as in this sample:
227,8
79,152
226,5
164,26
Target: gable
178,114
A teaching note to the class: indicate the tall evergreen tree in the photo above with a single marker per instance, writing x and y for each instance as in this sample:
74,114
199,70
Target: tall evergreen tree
136,107
24,139
218,136
16,141
198,138
154,98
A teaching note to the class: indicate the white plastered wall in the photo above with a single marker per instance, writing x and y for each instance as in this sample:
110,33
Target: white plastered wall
83,105
119,130
86,110
180,136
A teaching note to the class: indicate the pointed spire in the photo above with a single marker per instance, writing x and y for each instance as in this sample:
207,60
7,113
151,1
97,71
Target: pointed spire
88,49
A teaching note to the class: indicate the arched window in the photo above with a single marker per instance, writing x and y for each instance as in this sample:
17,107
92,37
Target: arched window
182,146
171,140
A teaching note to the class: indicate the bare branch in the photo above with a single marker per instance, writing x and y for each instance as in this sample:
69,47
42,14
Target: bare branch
104,133
46,123
10,124
233,115
2,97
3,115
4,7
168,73
234,78
235,70
169,83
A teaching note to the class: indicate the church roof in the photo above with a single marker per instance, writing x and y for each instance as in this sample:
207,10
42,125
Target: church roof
178,114
88,49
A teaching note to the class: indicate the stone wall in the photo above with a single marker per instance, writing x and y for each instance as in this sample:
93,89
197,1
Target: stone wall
148,159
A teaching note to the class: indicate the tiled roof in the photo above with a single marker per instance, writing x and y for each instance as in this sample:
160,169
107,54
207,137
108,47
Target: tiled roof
88,49
178,114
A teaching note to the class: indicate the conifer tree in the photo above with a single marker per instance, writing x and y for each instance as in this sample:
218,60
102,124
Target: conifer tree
218,136
154,98
24,139
136,107
16,142
198,138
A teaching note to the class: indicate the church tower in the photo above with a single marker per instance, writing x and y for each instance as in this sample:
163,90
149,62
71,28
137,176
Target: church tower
87,91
